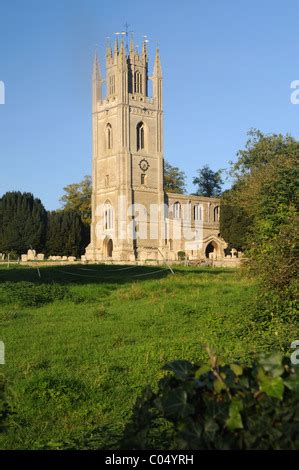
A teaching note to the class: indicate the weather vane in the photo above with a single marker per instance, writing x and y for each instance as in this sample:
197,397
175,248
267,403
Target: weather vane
108,41
126,33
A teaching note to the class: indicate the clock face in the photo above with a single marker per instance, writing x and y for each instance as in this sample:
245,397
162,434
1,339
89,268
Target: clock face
144,165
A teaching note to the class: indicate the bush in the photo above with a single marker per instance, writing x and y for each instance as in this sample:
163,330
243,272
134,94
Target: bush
213,406
29,294
13,255
5,410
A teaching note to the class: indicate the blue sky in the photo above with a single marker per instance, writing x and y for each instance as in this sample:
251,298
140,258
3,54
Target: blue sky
227,67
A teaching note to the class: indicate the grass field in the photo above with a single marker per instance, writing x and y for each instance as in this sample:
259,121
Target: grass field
76,365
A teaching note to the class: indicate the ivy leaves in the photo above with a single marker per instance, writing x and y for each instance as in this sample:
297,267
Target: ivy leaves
181,369
234,420
212,406
175,404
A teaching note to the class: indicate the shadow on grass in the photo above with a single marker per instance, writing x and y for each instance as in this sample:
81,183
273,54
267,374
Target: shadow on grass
98,274
91,274
206,270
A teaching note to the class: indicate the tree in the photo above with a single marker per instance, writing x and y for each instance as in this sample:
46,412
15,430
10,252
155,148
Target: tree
266,189
66,234
234,223
174,179
55,237
208,182
77,198
22,223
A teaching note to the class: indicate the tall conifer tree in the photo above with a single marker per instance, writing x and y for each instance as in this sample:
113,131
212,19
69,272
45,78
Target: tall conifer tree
22,222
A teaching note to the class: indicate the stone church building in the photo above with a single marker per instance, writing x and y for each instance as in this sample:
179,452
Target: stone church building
133,217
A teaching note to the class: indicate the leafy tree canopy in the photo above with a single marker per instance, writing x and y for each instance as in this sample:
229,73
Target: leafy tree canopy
174,179
208,182
77,198
266,193
234,223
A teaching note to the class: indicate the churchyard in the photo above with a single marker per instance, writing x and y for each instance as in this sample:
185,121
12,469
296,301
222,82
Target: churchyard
81,342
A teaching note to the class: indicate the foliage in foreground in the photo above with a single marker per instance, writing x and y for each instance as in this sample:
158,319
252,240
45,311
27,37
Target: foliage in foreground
211,406
5,410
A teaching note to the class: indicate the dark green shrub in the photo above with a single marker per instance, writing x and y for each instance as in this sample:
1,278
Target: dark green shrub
213,406
29,294
13,255
75,297
5,410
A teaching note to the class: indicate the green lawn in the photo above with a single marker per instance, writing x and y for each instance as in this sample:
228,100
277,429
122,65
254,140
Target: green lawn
75,366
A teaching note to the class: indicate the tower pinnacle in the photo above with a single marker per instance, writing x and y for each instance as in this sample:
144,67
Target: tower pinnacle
96,73
157,64
115,48
96,82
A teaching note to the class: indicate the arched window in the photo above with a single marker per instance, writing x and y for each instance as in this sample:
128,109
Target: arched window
216,214
109,140
197,212
176,210
187,210
140,136
108,216
138,82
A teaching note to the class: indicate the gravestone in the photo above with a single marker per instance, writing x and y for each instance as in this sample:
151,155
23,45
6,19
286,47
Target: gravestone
31,254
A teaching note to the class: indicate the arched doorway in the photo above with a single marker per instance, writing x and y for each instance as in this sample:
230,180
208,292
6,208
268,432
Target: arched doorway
211,248
109,248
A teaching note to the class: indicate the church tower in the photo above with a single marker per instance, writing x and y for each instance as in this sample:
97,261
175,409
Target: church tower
127,167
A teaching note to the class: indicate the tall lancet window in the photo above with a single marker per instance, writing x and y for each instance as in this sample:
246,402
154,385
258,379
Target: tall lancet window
112,85
197,212
216,214
109,137
140,136
108,216
177,210
138,82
